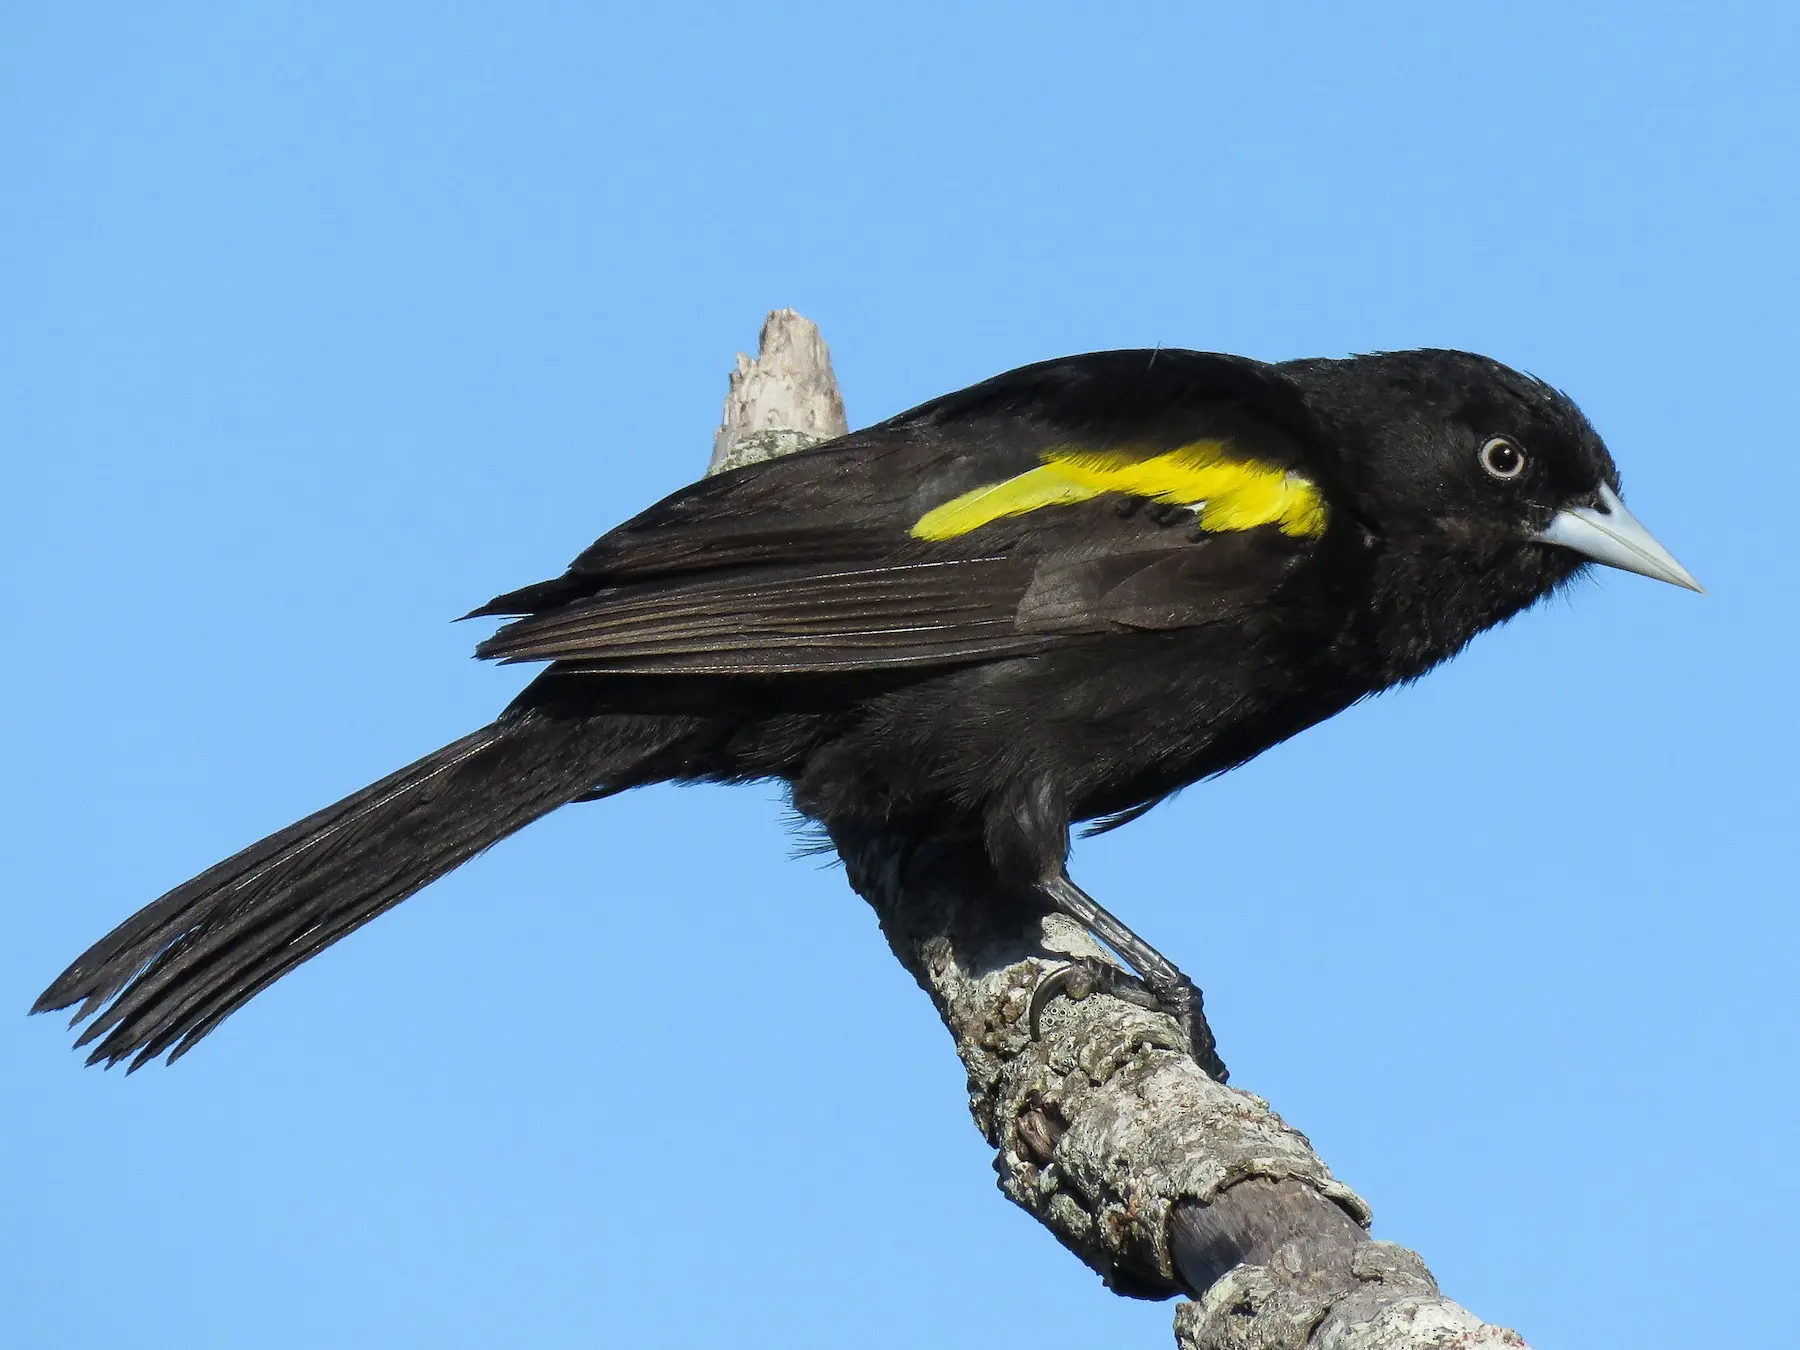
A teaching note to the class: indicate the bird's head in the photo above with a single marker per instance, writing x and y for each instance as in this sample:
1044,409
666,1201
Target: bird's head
1474,460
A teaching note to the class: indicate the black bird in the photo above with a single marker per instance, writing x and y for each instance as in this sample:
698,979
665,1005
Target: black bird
1058,595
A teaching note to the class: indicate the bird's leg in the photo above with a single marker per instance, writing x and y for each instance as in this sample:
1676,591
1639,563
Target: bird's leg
1162,985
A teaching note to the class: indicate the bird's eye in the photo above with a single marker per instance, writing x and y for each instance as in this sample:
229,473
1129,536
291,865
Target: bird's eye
1502,458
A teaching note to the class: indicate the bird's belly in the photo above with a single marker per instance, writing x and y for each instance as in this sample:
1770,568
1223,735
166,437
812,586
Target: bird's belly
1101,728
1192,753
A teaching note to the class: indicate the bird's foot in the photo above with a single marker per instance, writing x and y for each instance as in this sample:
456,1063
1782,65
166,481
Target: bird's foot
1085,975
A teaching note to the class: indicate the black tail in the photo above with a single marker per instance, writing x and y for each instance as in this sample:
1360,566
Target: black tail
178,967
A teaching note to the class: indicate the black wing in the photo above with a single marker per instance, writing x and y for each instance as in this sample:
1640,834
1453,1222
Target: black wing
817,561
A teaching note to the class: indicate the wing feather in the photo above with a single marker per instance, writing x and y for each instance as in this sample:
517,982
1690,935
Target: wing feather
771,623
825,560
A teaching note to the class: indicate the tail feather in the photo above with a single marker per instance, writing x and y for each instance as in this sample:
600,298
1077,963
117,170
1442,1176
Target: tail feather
172,972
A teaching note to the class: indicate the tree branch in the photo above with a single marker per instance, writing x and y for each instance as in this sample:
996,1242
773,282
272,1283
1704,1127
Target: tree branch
1160,1179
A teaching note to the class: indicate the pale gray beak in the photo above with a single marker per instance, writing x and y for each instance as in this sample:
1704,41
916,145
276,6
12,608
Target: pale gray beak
1610,534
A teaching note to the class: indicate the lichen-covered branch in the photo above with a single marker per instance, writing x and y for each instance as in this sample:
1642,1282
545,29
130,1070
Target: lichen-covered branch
1158,1178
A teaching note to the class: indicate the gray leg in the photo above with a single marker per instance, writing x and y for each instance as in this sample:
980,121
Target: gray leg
1162,985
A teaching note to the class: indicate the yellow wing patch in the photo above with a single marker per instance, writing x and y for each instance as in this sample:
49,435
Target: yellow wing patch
1226,493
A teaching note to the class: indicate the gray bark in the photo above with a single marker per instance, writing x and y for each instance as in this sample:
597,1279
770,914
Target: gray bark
1160,1179
784,400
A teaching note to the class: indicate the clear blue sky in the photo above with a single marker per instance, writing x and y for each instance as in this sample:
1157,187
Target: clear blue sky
324,322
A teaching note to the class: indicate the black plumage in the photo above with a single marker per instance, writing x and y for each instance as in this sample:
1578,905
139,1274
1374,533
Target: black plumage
1057,596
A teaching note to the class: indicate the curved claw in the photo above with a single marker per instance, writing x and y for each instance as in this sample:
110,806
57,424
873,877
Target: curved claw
1084,975
1056,982
1080,977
